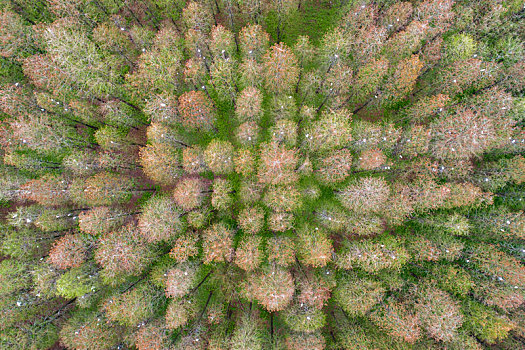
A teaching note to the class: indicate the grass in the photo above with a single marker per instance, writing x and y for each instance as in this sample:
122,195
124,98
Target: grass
314,18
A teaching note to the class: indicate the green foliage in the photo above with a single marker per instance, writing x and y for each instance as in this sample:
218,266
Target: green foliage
131,307
89,330
14,276
486,324
78,282
454,280
357,295
460,47
301,318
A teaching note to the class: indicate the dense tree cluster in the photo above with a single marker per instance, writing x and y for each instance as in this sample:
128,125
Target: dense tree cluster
242,175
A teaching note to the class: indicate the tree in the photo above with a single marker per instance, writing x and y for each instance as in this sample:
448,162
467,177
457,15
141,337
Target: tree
222,74
464,74
190,193
221,198
79,58
462,135
296,341
280,221
249,332
439,314
244,162
116,40
248,133
100,220
181,279
281,251
495,294
427,107
403,80
161,220
196,44
280,69
113,139
160,68
492,262
304,50
48,189
179,312
313,247
248,255
14,277
250,73
15,35
285,132
434,247
366,195
69,251
197,219
373,256
154,336
197,16
438,13
357,296
371,159
102,189
133,306
193,160
196,110
335,48
316,287
248,105
277,164
196,73
251,219
87,330
161,163
218,156
162,108
452,279
460,47
272,287
123,253
332,130
334,167
283,198
121,114
82,162
485,323
158,133
359,23
407,41
43,132
253,41
397,320
397,16
497,224
10,182
366,135
46,219
79,282
217,243
185,247
302,318
26,243
222,43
